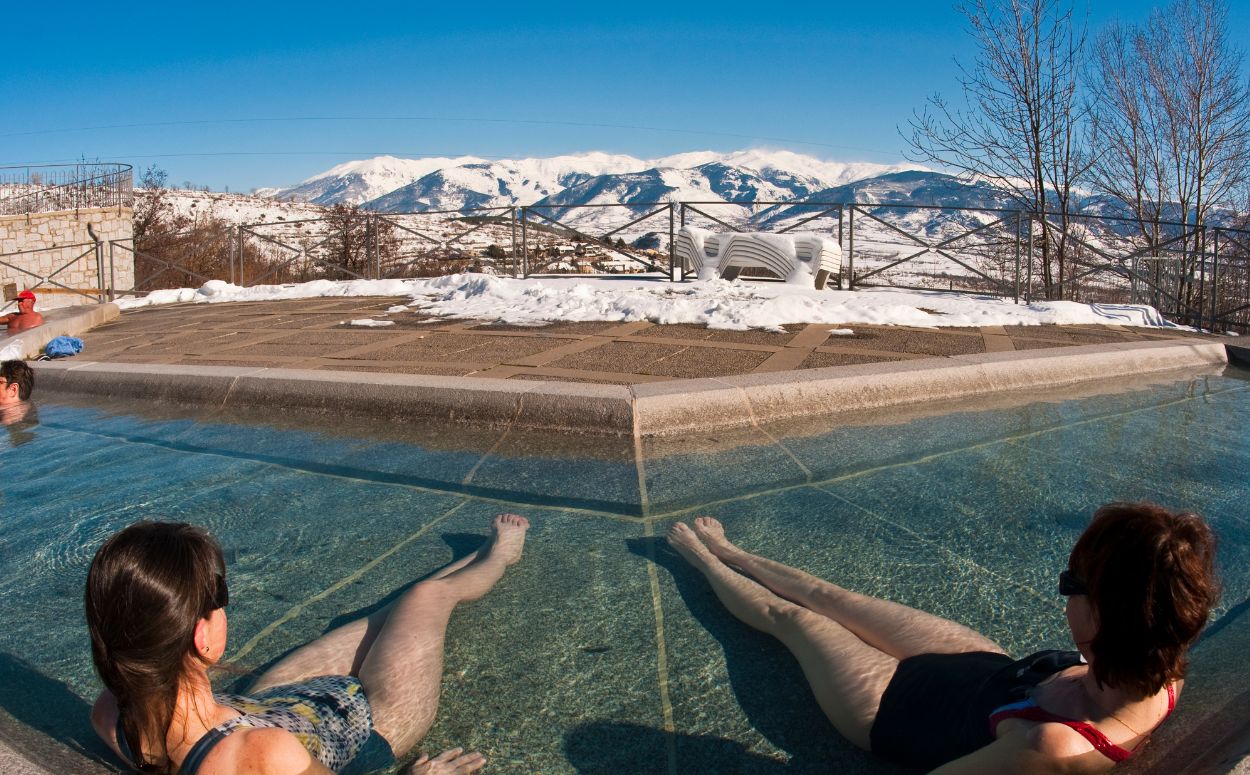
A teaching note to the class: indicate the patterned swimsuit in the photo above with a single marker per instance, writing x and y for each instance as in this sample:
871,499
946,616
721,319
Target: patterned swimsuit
329,715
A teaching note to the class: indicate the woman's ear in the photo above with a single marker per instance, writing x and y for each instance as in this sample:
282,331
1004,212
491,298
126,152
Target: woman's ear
201,636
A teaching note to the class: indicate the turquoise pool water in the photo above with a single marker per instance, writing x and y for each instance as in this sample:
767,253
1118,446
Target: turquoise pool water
601,652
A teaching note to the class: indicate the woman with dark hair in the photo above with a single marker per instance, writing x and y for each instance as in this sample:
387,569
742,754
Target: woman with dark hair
928,692
156,598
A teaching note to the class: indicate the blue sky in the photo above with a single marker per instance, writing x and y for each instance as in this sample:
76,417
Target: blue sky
256,94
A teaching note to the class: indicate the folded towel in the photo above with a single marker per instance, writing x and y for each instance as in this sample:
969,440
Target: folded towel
63,347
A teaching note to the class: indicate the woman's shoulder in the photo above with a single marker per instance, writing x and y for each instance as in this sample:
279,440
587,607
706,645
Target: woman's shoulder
1068,749
1057,740
259,751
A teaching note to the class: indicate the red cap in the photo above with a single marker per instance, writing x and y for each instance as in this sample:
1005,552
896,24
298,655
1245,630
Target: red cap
26,295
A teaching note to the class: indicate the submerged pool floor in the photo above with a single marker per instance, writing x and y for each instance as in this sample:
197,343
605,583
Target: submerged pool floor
601,651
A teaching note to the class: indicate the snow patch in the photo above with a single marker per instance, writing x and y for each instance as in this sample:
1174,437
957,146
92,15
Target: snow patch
13,351
733,305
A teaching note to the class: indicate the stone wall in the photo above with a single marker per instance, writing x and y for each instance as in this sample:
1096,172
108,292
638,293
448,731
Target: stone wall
56,239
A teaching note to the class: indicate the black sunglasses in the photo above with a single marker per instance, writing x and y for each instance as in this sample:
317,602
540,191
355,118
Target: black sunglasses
1070,585
221,598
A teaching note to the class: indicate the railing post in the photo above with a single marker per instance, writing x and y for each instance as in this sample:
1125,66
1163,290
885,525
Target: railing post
683,215
525,247
1215,280
1016,299
371,234
1028,271
1202,277
850,252
112,275
238,253
515,264
1134,269
99,262
675,273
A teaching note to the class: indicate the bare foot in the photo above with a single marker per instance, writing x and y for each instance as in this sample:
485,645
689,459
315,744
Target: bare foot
712,533
687,544
509,537
453,762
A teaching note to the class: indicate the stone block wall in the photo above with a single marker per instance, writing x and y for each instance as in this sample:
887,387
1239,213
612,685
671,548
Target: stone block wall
56,239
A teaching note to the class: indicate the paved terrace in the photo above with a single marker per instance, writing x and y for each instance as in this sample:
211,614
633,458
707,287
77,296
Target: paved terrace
314,334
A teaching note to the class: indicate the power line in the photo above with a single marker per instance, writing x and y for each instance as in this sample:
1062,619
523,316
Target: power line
482,120
405,154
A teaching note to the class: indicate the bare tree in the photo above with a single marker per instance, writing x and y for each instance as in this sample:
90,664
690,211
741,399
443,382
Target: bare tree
1020,125
1170,125
1209,105
154,213
357,240
171,248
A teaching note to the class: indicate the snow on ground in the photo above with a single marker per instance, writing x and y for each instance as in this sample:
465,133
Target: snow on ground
734,305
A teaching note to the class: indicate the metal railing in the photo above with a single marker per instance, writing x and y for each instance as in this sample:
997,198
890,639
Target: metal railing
54,187
92,253
1195,276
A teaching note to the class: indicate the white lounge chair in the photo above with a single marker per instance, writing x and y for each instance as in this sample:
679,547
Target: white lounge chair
797,258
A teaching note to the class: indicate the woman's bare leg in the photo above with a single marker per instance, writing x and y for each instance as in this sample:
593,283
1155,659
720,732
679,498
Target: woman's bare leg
847,675
340,651
403,669
894,628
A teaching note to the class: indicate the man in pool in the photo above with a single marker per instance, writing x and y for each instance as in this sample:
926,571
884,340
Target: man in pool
25,317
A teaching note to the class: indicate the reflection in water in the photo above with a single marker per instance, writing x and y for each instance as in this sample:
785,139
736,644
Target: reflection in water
19,420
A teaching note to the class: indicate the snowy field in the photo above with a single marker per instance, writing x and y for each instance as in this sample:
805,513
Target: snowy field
734,305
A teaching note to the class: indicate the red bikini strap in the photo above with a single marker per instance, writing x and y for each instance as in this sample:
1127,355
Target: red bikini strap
1171,698
1097,739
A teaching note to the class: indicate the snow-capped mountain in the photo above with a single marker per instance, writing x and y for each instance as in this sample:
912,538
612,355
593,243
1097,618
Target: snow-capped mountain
713,181
356,182
388,184
498,183
776,166
906,189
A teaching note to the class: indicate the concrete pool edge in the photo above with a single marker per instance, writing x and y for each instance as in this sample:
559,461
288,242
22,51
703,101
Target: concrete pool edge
666,408
641,410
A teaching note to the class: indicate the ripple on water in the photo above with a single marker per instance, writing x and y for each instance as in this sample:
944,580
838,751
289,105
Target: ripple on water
74,545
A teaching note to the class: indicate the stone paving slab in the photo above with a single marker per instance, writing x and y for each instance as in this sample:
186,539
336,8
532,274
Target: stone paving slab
313,334
651,379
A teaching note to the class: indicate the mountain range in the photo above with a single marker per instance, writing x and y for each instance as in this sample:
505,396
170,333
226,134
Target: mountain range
388,184
394,185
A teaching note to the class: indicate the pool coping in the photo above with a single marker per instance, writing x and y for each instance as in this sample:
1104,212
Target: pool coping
640,410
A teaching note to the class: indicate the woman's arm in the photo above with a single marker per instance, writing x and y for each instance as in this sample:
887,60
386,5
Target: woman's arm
1046,749
104,721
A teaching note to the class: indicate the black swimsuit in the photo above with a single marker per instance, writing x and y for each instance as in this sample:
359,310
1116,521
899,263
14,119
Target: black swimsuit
937,707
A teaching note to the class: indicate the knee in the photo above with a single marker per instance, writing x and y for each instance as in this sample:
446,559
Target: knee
402,738
783,613
428,593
